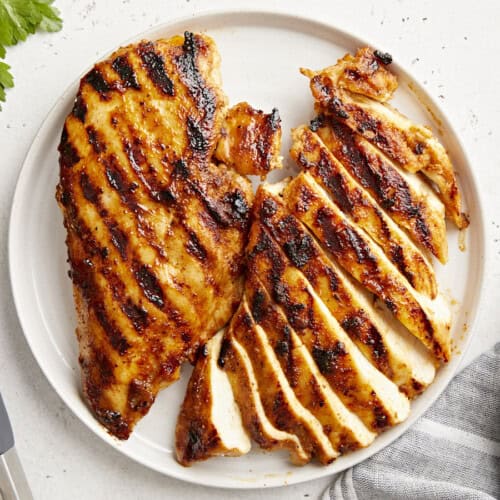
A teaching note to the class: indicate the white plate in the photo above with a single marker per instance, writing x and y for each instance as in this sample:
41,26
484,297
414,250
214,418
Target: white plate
261,53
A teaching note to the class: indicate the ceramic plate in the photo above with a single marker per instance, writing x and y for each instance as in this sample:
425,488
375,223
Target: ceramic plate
261,53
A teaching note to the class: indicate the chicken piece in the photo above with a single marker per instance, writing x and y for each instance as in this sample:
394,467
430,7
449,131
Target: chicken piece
383,341
155,232
364,73
265,430
343,428
362,388
411,146
250,140
209,423
280,403
405,197
310,153
428,320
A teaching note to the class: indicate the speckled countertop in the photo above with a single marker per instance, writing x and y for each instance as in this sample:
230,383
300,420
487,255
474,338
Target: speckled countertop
453,48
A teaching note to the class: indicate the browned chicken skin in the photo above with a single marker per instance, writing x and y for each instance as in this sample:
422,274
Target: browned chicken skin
156,233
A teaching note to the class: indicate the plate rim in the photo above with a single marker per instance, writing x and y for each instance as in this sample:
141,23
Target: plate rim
418,90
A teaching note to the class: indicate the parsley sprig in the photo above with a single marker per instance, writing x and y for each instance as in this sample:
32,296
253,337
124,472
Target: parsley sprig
18,20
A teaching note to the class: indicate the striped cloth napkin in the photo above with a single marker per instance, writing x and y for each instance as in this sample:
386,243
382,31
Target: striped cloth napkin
451,453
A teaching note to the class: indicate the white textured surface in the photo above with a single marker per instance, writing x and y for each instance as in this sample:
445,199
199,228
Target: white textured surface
451,48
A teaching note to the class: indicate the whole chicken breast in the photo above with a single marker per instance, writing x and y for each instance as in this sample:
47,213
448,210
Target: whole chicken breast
155,230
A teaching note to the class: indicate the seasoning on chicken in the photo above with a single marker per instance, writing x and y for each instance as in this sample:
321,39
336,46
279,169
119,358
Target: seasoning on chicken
155,231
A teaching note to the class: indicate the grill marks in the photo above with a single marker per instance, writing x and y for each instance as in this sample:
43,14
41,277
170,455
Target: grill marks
155,67
199,129
332,287
313,156
424,222
125,71
150,285
369,265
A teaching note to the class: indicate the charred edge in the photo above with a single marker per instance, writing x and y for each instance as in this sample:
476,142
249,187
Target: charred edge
114,422
274,120
79,110
384,57
126,73
140,396
155,67
268,209
117,340
150,286
68,155
316,123
328,359
137,315
225,347
195,247
93,136
99,84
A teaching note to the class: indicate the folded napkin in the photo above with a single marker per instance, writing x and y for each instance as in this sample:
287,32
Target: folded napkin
451,453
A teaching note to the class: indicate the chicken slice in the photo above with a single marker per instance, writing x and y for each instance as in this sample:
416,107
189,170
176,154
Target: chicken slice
384,341
365,74
362,388
209,423
250,140
411,146
343,428
428,320
406,197
279,400
311,154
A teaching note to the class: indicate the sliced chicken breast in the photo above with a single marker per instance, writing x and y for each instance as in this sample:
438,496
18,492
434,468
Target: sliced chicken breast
385,342
407,198
412,146
209,423
428,320
311,154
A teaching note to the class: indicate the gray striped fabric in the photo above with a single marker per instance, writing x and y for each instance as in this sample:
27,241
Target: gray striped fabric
452,452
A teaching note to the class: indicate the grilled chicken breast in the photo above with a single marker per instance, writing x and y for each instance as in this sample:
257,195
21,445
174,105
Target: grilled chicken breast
155,231
428,320
383,341
209,423
407,198
410,145
311,154
250,140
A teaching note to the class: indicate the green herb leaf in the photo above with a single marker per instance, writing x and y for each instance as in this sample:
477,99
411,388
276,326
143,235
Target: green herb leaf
18,20
6,80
